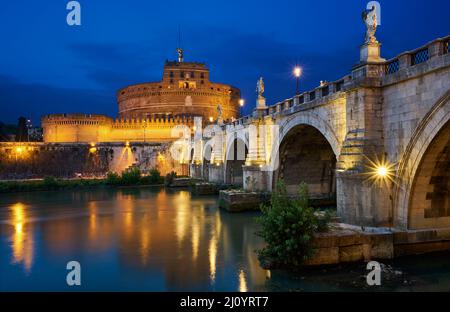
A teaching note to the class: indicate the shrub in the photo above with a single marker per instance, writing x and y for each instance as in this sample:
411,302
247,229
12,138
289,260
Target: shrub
288,227
131,176
50,182
113,178
169,178
155,176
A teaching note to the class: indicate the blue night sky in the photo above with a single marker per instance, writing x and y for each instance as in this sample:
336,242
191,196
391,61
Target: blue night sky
47,66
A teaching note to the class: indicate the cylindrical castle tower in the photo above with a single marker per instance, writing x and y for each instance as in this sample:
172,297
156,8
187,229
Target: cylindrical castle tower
185,90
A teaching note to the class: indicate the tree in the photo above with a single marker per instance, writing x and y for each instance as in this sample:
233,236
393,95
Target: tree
22,130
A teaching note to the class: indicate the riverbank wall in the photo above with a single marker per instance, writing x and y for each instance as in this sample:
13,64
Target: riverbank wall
32,160
346,243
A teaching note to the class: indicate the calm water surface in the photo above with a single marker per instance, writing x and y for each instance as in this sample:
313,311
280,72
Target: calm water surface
157,240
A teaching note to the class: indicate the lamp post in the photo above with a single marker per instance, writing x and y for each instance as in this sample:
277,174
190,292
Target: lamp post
297,74
144,130
241,105
29,126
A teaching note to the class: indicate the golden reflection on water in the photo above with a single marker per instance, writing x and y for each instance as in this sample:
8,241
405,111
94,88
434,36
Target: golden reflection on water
212,257
92,206
182,210
22,238
195,238
187,239
242,282
145,240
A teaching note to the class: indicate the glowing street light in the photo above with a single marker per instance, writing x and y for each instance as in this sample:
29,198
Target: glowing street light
241,105
382,171
297,74
211,119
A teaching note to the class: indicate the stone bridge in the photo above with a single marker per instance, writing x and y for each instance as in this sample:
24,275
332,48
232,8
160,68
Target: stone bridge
376,141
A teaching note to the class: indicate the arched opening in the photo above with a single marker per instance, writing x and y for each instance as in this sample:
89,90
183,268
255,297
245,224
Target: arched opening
430,192
206,161
307,156
236,156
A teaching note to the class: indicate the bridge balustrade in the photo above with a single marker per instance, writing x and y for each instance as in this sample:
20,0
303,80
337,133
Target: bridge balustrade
420,56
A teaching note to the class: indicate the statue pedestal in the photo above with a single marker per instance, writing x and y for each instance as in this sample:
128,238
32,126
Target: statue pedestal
370,53
260,107
261,103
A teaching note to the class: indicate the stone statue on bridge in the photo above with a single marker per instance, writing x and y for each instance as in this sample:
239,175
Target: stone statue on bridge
219,111
260,87
260,100
219,115
371,20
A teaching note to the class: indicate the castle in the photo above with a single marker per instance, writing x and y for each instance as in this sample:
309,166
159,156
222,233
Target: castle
149,111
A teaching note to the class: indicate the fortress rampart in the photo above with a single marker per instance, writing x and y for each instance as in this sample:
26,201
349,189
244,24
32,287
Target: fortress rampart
67,128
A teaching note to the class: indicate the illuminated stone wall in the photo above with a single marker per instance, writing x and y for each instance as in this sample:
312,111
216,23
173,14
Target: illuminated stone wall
37,160
79,128
185,90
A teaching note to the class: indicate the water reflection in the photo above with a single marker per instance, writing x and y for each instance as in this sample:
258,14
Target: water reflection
158,240
142,239
212,257
242,282
22,238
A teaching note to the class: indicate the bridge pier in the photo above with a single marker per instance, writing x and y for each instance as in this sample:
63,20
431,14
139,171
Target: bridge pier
362,203
196,171
256,179
216,173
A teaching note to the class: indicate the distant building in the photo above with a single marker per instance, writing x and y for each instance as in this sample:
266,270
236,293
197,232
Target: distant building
35,134
149,111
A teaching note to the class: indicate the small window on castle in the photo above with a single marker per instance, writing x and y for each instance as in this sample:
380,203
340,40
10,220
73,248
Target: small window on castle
202,82
182,74
171,74
202,75
192,75
171,81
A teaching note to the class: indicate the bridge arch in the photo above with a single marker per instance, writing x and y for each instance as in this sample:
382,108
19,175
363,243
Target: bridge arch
236,154
314,120
206,161
308,152
422,189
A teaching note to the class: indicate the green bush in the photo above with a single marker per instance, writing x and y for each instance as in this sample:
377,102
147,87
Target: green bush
50,182
155,176
169,178
113,178
288,227
131,176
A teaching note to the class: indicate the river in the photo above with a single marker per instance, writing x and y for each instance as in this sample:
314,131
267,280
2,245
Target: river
153,239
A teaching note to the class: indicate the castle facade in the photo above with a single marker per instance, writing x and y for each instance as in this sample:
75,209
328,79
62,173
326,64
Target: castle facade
148,112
